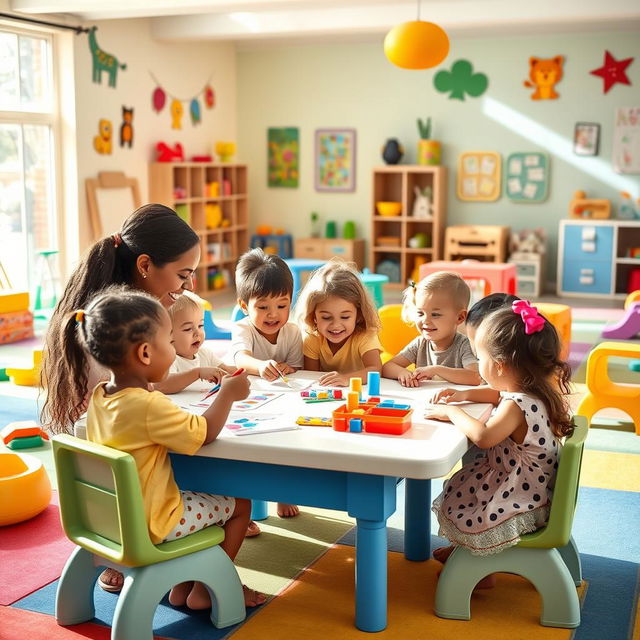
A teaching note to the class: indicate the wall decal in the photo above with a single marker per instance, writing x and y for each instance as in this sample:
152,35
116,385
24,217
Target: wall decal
177,108
283,149
159,98
460,80
544,75
103,61
102,142
612,71
126,128
176,114
194,110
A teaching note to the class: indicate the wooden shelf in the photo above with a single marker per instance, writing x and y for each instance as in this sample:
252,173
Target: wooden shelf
397,183
194,178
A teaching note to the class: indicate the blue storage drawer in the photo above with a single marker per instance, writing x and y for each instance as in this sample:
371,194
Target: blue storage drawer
586,276
574,243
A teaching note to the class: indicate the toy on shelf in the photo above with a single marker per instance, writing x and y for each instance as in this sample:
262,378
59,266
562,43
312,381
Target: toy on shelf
225,151
420,240
527,250
169,154
629,210
390,268
628,327
25,489
212,215
486,242
16,321
23,435
205,158
388,208
27,377
273,241
589,208
422,205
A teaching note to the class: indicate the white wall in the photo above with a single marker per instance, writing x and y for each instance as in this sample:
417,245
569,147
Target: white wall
182,69
353,85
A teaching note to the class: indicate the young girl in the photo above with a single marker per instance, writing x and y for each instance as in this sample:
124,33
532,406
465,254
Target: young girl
129,333
491,502
341,325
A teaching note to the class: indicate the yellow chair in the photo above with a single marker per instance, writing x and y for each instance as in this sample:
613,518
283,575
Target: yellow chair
395,333
602,392
559,315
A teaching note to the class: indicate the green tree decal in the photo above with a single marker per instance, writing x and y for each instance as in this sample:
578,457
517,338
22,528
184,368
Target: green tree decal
461,80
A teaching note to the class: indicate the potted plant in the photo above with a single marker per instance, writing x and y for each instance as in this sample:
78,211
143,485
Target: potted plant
428,150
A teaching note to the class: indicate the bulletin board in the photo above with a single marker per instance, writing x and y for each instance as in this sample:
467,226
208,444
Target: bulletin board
626,140
527,177
479,175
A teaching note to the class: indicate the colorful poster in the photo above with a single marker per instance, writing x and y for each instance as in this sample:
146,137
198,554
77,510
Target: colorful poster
283,156
335,168
626,140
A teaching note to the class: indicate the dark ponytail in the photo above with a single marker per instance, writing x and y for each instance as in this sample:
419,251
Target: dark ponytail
154,230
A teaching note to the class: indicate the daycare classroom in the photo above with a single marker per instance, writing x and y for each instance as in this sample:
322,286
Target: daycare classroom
319,319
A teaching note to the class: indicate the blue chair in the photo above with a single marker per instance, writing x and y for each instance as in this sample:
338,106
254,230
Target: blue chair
212,331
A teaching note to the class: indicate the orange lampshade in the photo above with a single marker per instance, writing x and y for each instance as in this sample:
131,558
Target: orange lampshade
416,45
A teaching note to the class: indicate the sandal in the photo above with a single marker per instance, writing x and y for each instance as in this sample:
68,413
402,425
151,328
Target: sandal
252,530
105,581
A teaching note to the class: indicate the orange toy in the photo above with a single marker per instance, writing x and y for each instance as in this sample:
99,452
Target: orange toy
22,429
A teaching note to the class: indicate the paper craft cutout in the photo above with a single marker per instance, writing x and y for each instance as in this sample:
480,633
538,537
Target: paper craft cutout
612,71
527,177
544,75
103,61
460,80
255,401
479,176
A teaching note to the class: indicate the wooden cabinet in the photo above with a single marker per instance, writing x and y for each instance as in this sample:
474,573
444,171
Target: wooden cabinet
392,237
327,248
212,198
594,257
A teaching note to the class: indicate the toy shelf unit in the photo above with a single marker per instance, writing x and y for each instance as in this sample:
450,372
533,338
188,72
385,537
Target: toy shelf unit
481,242
409,232
595,257
351,250
212,199
529,273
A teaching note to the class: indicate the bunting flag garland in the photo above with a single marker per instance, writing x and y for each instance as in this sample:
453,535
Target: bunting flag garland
159,101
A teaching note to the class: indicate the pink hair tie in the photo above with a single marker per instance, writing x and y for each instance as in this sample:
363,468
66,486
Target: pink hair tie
533,321
117,240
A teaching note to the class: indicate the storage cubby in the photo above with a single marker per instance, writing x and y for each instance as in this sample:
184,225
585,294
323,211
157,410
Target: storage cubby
391,235
212,199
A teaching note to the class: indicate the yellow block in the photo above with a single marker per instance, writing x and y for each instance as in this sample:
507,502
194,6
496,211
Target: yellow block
13,301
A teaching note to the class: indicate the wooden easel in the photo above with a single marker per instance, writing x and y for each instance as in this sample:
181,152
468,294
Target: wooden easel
5,283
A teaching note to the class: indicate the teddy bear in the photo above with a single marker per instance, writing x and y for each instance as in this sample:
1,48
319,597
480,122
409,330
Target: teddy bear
528,241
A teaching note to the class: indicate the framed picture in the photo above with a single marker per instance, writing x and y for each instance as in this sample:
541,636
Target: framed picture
586,138
335,168
283,149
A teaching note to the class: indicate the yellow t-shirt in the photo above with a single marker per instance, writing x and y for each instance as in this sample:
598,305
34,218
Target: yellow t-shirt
348,357
147,425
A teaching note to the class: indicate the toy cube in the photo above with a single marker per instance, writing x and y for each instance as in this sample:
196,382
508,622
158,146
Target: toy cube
355,425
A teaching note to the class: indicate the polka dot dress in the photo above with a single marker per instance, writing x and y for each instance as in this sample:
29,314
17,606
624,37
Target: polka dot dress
201,510
491,501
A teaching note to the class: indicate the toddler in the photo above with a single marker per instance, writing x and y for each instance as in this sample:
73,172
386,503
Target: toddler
438,306
265,343
491,502
193,361
341,325
129,333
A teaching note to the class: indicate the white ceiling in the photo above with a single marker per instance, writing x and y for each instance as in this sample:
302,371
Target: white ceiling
259,21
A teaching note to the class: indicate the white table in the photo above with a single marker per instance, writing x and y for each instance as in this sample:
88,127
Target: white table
352,472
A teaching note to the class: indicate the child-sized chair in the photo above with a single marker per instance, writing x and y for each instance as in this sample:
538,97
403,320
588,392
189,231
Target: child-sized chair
395,333
548,557
604,393
559,315
102,511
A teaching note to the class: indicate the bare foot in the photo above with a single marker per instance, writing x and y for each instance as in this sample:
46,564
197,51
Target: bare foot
488,582
287,510
253,598
111,580
252,530
178,595
198,597
441,554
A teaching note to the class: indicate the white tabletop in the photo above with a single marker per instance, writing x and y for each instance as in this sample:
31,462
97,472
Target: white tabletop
428,450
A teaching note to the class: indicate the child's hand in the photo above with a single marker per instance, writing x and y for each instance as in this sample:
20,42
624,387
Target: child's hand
334,379
424,373
407,379
268,369
285,369
235,387
211,374
437,412
449,395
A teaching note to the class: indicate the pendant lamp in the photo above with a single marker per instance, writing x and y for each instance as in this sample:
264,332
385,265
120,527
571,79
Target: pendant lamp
417,44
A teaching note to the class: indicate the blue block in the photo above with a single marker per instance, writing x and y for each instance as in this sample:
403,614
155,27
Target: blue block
355,425
373,383
387,403
401,406
313,394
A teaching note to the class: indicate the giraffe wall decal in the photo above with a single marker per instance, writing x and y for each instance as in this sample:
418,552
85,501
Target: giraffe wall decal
103,61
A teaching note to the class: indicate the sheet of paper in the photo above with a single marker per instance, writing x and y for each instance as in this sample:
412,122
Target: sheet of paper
470,187
515,166
295,384
486,186
514,185
535,175
531,161
488,165
529,190
471,164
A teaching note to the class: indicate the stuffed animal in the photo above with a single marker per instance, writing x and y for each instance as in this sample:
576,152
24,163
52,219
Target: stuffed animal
422,207
528,241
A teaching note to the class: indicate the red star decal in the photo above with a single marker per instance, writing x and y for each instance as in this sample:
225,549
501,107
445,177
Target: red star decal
612,71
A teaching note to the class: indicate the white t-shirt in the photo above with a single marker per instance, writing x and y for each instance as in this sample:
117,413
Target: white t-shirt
288,346
203,358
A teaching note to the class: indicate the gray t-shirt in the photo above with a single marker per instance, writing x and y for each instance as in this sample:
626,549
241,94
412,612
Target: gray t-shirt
458,356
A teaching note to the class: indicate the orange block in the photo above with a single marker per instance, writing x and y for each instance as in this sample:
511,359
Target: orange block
21,429
13,301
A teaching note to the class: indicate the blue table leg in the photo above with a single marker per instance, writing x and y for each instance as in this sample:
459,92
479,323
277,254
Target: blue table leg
259,510
371,575
417,520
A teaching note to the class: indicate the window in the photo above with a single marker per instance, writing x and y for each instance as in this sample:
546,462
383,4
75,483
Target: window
27,162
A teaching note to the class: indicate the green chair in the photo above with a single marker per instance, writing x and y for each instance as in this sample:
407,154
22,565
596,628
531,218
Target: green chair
548,557
102,512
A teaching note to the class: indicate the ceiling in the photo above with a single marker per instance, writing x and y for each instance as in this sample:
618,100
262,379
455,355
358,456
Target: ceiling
260,21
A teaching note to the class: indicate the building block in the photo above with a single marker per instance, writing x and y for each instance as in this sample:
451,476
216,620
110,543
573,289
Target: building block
355,384
628,327
25,443
13,301
373,383
352,400
313,421
21,429
323,395
27,377
374,399
559,315
355,425
337,394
